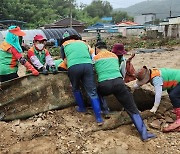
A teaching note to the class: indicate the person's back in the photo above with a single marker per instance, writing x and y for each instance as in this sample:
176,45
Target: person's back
77,52
106,65
80,70
110,82
171,77
162,79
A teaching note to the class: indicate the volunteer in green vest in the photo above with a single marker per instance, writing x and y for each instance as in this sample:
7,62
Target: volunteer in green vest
80,69
40,57
10,55
110,81
163,79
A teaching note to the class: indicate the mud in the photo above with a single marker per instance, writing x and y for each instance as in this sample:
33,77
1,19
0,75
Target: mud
66,131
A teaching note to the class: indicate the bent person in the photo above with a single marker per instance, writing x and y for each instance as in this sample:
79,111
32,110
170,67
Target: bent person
110,81
163,79
80,69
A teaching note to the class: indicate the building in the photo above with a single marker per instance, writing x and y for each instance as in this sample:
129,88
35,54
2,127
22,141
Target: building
65,23
107,19
132,31
123,27
145,18
103,27
171,27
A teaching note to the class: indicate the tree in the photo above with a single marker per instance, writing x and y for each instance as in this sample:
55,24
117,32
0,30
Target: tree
120,16
40,12
99,8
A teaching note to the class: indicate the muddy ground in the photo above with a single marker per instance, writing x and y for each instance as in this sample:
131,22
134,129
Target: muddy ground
66,131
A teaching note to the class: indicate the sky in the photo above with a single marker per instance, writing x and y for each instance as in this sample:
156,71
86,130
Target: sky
115,3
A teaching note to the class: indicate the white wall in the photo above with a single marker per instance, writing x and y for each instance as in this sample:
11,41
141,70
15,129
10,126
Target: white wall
173,21
134,32
144,18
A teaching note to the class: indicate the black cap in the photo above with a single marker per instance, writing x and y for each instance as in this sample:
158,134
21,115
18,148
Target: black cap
76,37
101,45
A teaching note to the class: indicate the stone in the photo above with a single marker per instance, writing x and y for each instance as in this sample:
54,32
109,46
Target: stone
16,122
156,124
169,119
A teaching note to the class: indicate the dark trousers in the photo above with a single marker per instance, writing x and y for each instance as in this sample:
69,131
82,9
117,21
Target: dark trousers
118,88
83,73
7,77
174,95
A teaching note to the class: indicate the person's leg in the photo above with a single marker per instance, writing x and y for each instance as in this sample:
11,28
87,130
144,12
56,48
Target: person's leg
104,89
90,87
174,96
126,99
75,72
88,80
124,96
104,106
11,76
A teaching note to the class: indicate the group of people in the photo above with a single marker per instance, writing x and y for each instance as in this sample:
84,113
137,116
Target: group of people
112,70
38,57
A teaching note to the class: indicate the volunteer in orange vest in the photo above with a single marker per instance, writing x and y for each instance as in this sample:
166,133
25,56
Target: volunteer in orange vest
163,79
10,55
40,57
110,81
80,70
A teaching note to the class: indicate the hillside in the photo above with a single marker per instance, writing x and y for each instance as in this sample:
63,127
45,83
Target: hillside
160,7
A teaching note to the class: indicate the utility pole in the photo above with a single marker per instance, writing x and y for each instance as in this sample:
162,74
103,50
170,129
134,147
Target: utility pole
170,12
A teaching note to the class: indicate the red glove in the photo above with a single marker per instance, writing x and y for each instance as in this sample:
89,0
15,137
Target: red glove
31,68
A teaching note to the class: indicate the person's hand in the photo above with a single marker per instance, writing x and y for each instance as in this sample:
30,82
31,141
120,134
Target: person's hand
44,70
53,69
30,68
136,86
132,56
35,72
154,108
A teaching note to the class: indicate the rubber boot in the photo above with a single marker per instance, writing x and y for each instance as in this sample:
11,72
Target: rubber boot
79,101
176,125
141,127
105,109
97,110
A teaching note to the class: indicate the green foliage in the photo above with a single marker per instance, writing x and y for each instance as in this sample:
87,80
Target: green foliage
99,8
84,17
54,51
151,43
40,12
35,13
119,16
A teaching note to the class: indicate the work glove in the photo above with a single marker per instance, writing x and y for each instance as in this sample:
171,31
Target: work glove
30,68
154,108
44,70
53,69
134,87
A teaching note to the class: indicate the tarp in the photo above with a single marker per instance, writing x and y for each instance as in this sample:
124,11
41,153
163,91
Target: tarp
55,34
